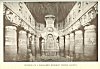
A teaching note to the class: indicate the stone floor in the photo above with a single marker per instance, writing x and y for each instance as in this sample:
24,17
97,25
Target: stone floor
52,59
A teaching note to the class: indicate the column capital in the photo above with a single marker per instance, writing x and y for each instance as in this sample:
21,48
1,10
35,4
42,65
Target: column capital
91,27
11,27
78,32
12,17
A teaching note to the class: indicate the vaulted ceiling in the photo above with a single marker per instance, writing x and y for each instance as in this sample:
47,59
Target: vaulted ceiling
40,9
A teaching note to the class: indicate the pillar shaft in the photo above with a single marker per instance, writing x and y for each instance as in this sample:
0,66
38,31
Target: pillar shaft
43,47
10,43
37,47
33,45
78,45
28,40
90,43
57,47
67,45
61,46
72,45
22,53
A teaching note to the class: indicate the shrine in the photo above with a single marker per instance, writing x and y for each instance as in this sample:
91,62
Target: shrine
50,31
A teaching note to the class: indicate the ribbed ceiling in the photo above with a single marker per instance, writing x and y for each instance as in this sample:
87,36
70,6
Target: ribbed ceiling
40,9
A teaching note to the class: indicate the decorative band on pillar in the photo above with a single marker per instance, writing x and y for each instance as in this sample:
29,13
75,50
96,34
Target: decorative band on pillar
90,43
10,43
78,45
22,53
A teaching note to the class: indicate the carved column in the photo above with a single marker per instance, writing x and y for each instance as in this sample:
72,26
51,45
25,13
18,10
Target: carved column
37,48
29,46
22,53
78,45
72,45
33,47
57,47
67,45
29,40
43,47
90,43
62,46
10,43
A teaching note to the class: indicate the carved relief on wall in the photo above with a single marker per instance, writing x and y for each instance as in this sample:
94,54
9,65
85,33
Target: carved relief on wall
49,45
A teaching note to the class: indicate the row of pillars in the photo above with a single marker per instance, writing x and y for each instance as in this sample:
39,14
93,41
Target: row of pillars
80,45
19,45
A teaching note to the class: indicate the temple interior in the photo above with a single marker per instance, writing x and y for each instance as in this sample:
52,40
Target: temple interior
50,31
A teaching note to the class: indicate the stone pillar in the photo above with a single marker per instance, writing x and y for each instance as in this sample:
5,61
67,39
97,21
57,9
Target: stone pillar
90,43
29,47
72,45
30,57
62,46
33,47
43,47
28,40
57,47
67,45
78,45
22,53
37,48
10,43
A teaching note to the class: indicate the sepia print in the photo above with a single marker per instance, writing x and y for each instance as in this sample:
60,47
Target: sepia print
50,31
